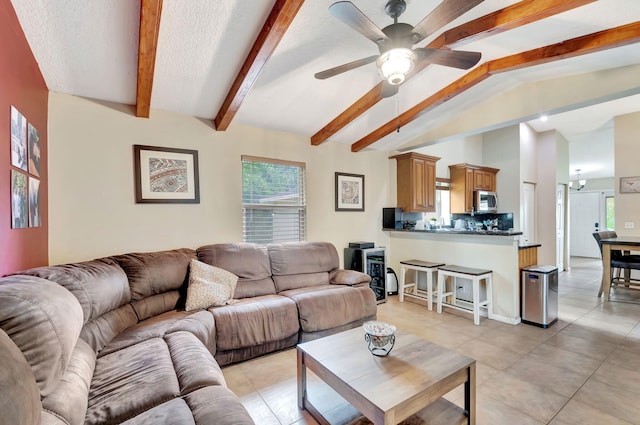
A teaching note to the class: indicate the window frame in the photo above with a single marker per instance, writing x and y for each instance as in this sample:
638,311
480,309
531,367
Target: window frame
301,207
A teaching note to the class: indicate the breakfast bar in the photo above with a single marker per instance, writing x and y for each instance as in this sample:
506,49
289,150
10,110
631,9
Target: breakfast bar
492,250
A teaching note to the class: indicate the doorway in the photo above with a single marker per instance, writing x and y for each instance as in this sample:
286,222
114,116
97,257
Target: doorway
585,216
561,249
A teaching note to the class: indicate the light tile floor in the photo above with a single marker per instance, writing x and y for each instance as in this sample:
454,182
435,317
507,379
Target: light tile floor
583,370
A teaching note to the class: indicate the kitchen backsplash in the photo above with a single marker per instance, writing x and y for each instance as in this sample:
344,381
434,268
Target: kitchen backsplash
503,221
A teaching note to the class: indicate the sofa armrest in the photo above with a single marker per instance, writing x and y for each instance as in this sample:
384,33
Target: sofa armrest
348,277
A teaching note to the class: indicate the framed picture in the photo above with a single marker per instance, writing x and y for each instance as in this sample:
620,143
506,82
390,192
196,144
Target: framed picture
349,192
630,184
34,203
166,175
34,151
19,208
18,139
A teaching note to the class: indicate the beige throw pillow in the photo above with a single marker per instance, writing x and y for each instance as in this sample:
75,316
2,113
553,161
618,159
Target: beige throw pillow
209,286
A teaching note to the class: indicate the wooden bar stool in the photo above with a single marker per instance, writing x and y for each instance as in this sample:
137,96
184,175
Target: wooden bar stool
475,275
419,266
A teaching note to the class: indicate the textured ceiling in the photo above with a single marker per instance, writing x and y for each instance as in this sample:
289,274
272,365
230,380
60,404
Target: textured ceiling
89,48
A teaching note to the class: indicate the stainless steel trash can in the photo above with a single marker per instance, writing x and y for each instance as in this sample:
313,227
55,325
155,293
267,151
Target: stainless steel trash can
540,295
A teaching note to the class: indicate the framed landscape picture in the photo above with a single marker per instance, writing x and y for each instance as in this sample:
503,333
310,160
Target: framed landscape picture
166,175
349,192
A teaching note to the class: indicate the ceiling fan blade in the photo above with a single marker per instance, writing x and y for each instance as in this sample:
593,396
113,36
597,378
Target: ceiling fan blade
454,58
388,90
446,12
352,16
344,67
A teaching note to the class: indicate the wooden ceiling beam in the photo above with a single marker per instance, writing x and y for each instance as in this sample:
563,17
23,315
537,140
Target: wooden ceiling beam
591,43
511,17
274,28
514,16
150,11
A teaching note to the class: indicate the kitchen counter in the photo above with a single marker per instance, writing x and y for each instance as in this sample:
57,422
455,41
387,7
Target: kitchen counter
527,245
466,248
450,230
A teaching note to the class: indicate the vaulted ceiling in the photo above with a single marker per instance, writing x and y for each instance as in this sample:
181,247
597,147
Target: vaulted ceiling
253,62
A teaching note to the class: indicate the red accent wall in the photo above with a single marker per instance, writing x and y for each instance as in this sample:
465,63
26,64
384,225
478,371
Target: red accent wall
21,85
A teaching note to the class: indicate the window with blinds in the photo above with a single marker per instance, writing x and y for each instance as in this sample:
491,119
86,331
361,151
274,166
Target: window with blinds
274,205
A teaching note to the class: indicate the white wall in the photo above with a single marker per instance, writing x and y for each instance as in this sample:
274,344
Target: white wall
528,158
553,169
92,208
457,151
627,152
501,149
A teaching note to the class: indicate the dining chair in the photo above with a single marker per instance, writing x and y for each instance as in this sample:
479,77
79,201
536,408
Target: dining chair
620,262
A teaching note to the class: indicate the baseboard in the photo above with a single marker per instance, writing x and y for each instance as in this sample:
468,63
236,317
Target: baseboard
505,319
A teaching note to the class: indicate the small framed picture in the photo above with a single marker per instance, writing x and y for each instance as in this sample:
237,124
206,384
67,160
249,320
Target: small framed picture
166,175
34,151
630,184
18,139
349,192
35,219
19,206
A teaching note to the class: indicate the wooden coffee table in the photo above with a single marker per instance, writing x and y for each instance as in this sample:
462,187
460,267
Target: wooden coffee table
388,389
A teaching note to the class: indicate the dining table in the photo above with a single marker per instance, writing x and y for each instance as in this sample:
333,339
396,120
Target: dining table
622,243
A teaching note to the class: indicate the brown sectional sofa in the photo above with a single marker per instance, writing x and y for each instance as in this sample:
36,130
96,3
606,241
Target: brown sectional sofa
108,341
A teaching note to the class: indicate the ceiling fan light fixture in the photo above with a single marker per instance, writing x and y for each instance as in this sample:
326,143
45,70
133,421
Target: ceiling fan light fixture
395,64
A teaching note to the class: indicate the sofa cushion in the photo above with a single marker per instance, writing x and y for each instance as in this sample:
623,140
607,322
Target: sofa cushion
173,412
348,277
199,323
301,264
329,306
101,331
209,286
100,285
44,320
69,400
294,281
302,257
155,279
20,400
129,381
248,261
217,405
193,363
255,321
102,288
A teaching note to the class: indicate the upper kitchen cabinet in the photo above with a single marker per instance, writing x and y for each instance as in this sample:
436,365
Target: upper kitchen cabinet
465,178
416,182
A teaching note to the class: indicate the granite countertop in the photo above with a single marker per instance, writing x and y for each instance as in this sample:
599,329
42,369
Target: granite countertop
449,230
526,245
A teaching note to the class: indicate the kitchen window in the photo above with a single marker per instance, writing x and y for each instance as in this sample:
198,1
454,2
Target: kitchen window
274,206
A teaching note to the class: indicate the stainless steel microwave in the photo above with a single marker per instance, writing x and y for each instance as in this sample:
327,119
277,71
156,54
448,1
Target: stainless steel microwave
485,202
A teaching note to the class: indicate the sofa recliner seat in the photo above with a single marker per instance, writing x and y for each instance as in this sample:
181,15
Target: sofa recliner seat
108,340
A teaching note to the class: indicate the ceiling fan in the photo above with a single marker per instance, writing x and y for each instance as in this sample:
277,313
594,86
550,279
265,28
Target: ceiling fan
397,57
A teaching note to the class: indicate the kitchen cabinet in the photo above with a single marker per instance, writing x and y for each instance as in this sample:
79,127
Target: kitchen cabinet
416,175
484,180
465,178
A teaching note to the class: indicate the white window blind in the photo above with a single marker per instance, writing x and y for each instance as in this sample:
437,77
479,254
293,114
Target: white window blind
274,205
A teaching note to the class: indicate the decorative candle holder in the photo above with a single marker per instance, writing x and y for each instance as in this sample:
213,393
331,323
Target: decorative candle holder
380,337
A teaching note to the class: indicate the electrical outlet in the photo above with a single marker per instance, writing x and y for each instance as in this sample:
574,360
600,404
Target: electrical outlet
629,224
